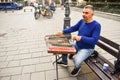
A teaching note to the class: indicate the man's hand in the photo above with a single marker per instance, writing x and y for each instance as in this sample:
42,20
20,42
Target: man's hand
77,38
59,33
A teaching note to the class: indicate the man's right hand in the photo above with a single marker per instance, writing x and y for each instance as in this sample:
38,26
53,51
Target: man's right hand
59,33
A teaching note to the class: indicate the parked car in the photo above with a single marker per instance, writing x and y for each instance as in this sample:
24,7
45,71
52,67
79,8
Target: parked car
10,5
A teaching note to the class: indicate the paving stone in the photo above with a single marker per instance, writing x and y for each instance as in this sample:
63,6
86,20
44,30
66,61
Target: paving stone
10,71
28,69
36,54
3,58
91,76
13,52
11,48
50,75
16,77
23,51
62,73
5,78
45,59
29,61
44,66
2,49
21,77
10,57
46,54
38,76
25,77
20,47
85,69
2,53
25,56
13,63
3,64
35,49
69,78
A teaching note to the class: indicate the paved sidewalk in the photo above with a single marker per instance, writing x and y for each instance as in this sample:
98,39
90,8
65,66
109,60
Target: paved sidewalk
23,52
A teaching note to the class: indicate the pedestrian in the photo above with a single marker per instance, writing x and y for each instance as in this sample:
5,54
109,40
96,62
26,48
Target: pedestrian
86,39
52,6
35,6
62,4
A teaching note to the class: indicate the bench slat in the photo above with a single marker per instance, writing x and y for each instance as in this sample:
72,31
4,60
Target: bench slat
111,68
96,64
108,49
97,67
109,42
94,68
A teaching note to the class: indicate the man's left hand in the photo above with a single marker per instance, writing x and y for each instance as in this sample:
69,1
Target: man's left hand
77,38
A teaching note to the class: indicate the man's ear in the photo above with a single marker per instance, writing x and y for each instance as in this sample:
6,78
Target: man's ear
92,13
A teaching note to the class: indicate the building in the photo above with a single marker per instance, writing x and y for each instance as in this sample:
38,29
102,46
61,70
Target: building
5,0
78,2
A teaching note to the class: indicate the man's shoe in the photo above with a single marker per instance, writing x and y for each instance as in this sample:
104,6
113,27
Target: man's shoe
75,72
62,64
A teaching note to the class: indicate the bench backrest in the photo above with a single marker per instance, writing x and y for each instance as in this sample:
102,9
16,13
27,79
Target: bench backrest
109,46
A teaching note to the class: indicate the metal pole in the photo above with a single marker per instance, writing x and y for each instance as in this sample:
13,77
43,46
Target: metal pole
56,67
67,18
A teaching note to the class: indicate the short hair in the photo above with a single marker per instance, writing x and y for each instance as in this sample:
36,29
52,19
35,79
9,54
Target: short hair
90,7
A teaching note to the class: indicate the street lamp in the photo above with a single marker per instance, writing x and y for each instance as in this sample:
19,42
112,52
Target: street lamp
67,18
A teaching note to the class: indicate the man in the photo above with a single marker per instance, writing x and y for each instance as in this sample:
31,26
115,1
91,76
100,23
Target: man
52,6
35,6
86,39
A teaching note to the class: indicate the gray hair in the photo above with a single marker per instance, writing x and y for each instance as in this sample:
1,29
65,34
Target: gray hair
90,7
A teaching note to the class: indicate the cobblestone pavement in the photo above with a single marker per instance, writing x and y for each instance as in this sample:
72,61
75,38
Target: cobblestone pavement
23,52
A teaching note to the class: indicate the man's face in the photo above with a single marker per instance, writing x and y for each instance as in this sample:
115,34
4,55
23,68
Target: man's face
87,14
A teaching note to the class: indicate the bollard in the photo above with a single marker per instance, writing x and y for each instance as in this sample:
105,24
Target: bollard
5,10
31,10
12,10
24,10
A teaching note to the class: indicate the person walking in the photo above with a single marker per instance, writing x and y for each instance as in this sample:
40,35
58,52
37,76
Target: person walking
86,39
52,6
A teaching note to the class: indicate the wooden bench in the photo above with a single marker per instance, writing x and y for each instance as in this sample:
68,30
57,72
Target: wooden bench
96,64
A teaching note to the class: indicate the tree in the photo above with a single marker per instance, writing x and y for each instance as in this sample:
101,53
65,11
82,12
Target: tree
74,0
103,0
113,1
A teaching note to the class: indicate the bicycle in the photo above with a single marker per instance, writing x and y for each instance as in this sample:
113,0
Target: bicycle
44,11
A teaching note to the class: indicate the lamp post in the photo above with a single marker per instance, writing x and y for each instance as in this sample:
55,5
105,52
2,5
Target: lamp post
67,18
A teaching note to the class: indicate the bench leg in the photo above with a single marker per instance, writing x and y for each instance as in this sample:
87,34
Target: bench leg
56,67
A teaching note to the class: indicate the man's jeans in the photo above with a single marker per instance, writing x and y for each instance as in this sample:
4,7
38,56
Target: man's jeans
81,55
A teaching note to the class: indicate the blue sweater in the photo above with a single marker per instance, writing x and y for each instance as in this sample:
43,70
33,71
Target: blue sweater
90,33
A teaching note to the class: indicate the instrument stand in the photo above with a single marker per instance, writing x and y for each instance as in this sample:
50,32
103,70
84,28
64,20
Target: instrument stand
58,45
56,65
59,57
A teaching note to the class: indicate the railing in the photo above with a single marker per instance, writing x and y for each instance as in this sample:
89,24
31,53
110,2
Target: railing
110,3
